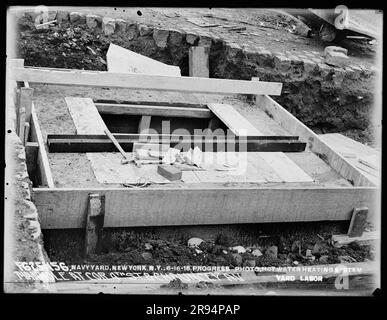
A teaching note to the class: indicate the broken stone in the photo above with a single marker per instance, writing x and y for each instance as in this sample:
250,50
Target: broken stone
224,252
191,38
249,263
146,255
194,242
317,249
336,56
108,26
62,17
296,245
238,249
144,30
161,37
22,156
296,263
93,21
282,63
236,259
256,253
198,251
148,246
324,259
308,253
272,252
205,41
77,18
346,259
132,32
335,49
121,25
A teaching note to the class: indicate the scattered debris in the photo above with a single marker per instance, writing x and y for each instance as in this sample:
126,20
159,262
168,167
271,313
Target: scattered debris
175,284
236,259
336,56
147,255
194,242
272,252
238,249
256,253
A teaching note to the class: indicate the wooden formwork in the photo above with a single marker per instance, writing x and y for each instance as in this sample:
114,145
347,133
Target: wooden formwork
205,204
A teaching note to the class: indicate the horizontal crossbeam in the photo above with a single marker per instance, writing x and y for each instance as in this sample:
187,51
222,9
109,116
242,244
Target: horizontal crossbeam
101,143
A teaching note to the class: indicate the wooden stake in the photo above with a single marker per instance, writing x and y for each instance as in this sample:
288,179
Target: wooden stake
25,107
32,150
26,133
358,220
199,62
144,124
94,223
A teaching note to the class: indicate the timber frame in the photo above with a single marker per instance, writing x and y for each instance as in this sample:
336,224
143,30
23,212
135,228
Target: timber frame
67,207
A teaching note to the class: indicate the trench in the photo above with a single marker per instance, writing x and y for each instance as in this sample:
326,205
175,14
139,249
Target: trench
314,98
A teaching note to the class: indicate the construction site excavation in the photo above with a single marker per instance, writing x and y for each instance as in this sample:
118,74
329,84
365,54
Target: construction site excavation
143,141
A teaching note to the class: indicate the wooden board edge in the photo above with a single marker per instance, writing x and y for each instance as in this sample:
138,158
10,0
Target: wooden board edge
42,161
146,82
295,127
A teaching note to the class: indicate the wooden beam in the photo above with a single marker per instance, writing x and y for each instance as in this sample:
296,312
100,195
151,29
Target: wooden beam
94,223
141,81
85,116
17,109
32,151
316,145
358,221
26,132
44,173
237,123
173,206
26,95
149,110
99,143
144,124
367,238
150,103
199,62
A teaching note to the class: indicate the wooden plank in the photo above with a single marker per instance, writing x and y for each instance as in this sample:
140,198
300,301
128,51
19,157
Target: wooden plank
238,124
94,223
107,168
144,125
44,174
198,58
149,110
354,152
26,95
149,103
64,208
17,109
32,150
143,81
98,143
285,168
26,132
316,145
121,60
85,115
367,238
358,221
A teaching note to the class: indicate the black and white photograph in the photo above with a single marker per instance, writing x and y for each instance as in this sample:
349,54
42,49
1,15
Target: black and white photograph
193,151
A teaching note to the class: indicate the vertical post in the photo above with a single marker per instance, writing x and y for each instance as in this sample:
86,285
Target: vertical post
358,221
25,107
94,223
144,124
199,62
17,109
